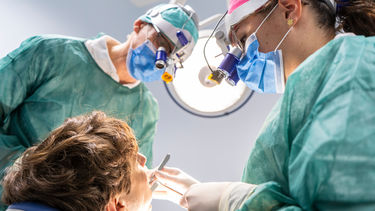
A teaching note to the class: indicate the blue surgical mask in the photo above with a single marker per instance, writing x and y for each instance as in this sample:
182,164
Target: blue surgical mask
141,63
262,72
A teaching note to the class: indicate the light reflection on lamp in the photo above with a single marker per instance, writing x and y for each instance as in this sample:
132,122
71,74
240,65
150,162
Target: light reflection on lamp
193,92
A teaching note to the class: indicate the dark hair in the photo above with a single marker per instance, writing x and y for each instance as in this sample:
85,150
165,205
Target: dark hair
80,166
357,16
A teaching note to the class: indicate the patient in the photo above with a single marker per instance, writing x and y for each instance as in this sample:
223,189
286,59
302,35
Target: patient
89,163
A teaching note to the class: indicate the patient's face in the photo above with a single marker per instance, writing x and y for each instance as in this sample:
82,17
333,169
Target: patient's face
140,195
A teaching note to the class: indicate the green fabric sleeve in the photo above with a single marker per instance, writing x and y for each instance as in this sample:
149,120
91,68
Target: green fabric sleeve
18,75
267,196
150,116
18,79
146,142
335,169
13,86
332,164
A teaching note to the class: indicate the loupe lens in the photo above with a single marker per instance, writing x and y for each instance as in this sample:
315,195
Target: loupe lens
160,64
161,58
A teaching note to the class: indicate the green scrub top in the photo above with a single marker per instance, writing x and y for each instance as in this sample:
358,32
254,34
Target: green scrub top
316,150
50,78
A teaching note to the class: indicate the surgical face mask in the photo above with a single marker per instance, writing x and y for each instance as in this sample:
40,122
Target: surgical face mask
262,72
141,62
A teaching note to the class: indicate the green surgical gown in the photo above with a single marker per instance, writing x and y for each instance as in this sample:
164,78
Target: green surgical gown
50,78
316,150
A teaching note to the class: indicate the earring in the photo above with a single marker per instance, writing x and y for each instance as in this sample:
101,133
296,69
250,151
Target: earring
290,22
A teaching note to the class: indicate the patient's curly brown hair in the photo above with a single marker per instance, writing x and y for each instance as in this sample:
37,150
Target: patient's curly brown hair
80,166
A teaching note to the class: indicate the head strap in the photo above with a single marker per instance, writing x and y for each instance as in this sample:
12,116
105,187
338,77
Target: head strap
331,4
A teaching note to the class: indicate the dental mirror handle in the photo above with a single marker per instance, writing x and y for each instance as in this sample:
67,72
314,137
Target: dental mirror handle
161,166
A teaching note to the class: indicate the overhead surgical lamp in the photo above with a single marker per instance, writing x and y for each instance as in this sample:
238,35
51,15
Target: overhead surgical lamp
194,92
194,87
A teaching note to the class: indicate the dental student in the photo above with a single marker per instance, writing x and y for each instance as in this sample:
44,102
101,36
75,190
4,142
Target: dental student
316,149
50,78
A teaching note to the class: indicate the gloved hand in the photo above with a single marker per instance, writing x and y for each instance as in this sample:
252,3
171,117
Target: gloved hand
204,196
172,178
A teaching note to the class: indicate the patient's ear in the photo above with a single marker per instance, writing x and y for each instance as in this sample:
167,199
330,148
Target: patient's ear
116,204
111,206
138,25
121,205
